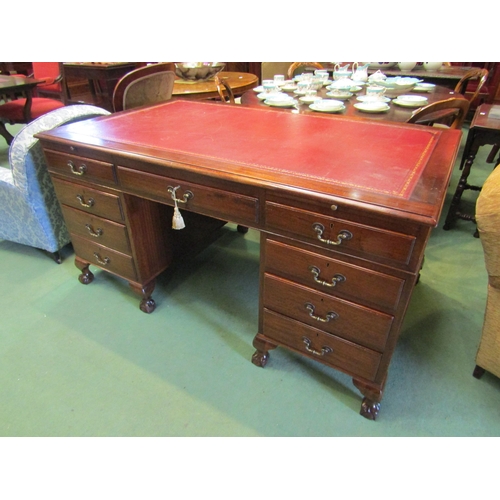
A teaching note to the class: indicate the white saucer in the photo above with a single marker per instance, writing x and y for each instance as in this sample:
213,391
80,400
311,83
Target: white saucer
315,107
286,103
424,87
409,104
289,88
266,95
309,99
343,97
369,107
370,98
258,89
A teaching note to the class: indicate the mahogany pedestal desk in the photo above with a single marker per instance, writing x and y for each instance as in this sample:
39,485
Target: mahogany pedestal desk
484,130
345,208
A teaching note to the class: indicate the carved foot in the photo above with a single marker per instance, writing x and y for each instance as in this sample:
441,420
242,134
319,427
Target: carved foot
369,409
147,303
242,229
478,372
260,358
371,401
263,346
87,276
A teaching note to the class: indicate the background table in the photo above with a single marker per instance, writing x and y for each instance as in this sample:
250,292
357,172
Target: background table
396,113
239,82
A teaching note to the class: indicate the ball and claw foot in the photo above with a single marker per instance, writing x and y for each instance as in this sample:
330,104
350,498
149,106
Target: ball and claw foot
147,305
86,277
369,409
260,358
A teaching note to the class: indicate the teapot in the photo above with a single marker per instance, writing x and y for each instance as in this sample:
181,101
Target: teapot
360,73
378,76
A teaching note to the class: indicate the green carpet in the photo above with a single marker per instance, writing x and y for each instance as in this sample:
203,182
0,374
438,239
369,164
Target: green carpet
81,360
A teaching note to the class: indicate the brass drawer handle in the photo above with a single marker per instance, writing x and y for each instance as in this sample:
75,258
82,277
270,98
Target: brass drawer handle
330,316
104,262
92,232
343,235
324,350
187,195
337,278
90,203
77,171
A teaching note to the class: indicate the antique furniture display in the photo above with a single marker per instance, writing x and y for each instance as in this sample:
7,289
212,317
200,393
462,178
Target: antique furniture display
150,84
484,130
239,83
345,208
488,224
29,211
20,105
450,112
102,78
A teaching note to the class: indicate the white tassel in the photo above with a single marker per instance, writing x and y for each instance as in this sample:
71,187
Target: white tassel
177,220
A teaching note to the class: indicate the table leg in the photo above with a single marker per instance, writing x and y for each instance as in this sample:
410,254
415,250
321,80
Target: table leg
261,355
370,405
147,305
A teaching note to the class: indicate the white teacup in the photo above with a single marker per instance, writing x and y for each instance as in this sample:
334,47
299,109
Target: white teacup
279,80
375,90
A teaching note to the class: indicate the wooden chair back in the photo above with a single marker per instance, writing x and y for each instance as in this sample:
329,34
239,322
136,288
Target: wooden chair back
297,65
146,85
224,89
480,74
449,112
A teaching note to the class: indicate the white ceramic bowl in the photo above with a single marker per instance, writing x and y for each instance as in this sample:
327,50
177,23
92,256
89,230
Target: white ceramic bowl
198,71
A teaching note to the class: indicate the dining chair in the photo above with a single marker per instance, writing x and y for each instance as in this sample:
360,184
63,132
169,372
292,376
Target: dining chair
29,211
471,83
54,85
449,113
150,84
296,66
224,89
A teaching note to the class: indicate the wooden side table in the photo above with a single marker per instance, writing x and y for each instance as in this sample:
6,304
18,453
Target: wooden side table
484,130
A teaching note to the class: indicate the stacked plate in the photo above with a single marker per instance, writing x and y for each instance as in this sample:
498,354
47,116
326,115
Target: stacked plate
328,106
411,101
372,106
280,100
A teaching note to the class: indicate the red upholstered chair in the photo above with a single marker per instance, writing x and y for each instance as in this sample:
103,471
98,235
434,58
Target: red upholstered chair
12,112
54,86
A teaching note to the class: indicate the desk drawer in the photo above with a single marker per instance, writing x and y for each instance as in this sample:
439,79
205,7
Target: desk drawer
102,231
80,168
89,200
333,276
348,320
217,203
363,241
329,349
105,258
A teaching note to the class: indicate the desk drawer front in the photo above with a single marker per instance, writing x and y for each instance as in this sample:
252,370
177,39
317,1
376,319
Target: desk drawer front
216,203
329,349
96,229
105,258
346,319
334,276
328,232
80,168
89,200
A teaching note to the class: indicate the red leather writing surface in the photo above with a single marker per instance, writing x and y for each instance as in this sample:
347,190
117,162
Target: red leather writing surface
379,157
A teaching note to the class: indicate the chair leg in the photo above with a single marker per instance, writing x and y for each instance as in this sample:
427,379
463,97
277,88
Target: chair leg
5,133
493,152
55,256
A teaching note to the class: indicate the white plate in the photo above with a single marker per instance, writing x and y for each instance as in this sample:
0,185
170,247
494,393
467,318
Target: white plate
258,89
288,103
309,99
409,104
266,95
342,97
289,88
369,107
315,107
424,87
370,98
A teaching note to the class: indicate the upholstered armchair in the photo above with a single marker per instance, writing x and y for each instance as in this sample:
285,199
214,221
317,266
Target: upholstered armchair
488,224
29,211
